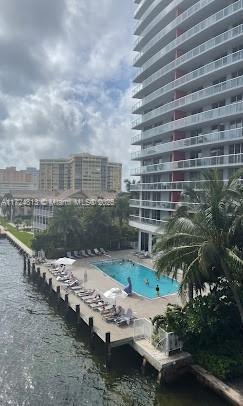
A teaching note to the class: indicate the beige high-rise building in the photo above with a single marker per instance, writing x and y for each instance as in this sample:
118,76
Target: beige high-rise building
54,175
114,177
13,180
85,172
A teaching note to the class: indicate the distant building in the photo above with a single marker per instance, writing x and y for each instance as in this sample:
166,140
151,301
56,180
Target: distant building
12,180
54,175
43,213
114,177
81,172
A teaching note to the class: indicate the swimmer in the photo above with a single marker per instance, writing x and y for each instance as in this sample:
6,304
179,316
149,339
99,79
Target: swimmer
146,281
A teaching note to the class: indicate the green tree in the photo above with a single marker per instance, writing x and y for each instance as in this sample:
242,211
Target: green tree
121,209
202,244
66,224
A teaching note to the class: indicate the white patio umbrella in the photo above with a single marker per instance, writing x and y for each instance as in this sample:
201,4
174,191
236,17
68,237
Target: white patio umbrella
115,293
65,261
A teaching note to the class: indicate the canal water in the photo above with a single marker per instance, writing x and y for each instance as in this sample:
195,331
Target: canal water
45,361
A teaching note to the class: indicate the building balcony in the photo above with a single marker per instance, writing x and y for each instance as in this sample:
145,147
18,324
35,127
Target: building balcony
167,186
148,204
192,101
150,14
224,17
142,8
180,20
145,220
197,55
208,116
197,77
191,164
158,205
201,140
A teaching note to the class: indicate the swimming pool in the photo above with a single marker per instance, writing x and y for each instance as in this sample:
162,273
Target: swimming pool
120,271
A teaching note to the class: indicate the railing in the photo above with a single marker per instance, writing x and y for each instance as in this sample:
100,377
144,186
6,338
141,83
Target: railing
189,99
157,205
152,204
215,161
178,20
167,186
195,52
142,329
202,139
198,28
164,342
150,9
205,116
194,75
145,220
139,8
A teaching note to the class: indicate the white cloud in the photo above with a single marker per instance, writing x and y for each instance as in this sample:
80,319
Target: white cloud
65,79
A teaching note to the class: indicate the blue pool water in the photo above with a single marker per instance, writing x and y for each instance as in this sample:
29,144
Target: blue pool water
120,271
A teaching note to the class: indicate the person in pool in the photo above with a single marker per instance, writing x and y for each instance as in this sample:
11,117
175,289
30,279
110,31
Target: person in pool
157,290
146,281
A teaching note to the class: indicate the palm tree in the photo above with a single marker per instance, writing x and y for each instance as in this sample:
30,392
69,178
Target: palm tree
66,223
203,243
121,209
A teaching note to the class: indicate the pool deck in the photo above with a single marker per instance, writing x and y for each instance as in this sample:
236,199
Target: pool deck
140,305
142,308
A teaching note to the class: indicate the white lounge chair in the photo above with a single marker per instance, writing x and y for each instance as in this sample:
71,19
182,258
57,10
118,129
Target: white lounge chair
103,251
69,255
97,252
126,318
90,253
83,253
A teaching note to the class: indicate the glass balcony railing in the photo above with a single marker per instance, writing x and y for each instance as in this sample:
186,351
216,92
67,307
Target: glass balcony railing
143,5
195,52
166,186
200,140
207,162
197,29
195,119
164,12
145,220
172,25
203,94
194,75
156,205
152,204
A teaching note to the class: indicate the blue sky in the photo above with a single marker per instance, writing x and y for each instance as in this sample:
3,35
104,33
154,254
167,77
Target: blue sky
65,79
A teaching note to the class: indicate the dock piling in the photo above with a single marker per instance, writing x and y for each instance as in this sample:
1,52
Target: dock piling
143,367
78,314
108,350
50,285
25,265
28,266
91,331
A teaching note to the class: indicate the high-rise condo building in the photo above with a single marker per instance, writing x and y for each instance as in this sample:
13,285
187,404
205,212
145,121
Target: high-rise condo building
189,91
81,172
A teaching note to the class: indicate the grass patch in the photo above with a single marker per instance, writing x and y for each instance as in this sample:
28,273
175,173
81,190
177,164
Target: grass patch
23,236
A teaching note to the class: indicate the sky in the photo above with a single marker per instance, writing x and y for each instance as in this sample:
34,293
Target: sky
65,79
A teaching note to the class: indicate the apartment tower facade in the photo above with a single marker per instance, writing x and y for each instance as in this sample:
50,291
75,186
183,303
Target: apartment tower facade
189,91
81,172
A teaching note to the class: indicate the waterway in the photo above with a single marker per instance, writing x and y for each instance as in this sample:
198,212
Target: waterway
44,361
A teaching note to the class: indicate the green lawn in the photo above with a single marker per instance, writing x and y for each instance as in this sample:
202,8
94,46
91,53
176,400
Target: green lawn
23,236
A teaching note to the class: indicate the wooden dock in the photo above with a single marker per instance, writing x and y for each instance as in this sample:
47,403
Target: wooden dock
111,335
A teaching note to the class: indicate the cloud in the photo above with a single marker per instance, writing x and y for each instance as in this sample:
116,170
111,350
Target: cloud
65,79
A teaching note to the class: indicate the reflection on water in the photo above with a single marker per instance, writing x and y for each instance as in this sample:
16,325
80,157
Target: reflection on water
45,361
